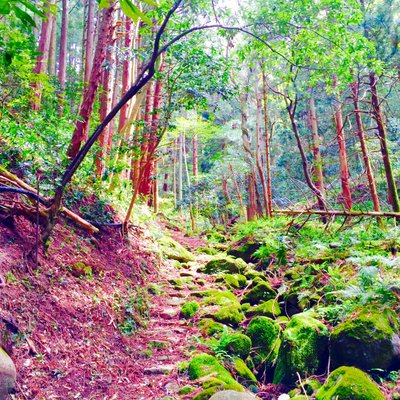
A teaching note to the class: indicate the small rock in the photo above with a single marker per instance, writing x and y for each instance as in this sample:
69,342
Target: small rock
169,313
159,370
8,374
232,395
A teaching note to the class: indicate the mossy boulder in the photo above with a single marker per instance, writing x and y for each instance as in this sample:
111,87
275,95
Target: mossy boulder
269,309
236,344
174,251
234,281
210,327
189,309
229,315
243,372
244,249
261,292
367,340
202,365
224,264
304,349
349,383
264,333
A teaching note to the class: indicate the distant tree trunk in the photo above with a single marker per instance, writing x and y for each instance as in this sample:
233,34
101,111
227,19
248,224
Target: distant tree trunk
318,172
267,146
51,65
377,113
258,158
155,189
43,57
238,194
291,107
62,63
180,169
344,169
252,206
81,129
89,40
364,150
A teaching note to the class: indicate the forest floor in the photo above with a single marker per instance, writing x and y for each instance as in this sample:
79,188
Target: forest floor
64,323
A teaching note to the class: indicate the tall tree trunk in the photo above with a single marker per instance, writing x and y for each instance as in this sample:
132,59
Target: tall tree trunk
89,40
62,62
252,206
267,146
180,170
258,158
81,128
344,169
318,172
43,57
238,194
364,150
377,113
51,65
291,109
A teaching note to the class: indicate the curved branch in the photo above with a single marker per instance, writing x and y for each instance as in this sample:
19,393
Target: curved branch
34,196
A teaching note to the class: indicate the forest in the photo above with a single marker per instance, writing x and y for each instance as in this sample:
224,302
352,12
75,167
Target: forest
199,199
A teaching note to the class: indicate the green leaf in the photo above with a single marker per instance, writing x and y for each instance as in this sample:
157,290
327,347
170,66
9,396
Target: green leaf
104,4
25,18
5,7
150,2
30,6
133,12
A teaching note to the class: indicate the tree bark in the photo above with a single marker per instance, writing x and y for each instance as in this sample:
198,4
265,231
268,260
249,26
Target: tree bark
81,127
377,113
344,169
43,57
89,40
62,61
318,172
364,150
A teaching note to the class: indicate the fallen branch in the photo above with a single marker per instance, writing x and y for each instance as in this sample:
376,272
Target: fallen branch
25,189
340,213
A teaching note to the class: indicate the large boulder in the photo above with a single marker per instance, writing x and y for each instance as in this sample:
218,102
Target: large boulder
174,251
349,383
260,293
224,264
369,339
304,349
244,249
202,365
265,336
8,374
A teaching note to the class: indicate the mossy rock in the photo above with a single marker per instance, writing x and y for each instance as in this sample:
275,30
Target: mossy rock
243,372
204,364
186,389
261,292
235,281
252,274
304,349
244,249
349,383
269,309
229,315
224,264
210,327
174,251
236,344
81,269
218,297
367,340
189,309
207,250
264,333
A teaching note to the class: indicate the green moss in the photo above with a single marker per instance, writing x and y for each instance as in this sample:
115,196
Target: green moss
265,336
236,344
349,383
246,307
207,250
244,248
210,327
186,389
269,309
228,280
189,309
229,315
304,349
365,340
173,250
242,371
261,292
224,264
80,269
218,297
204,364
213,382
206,394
